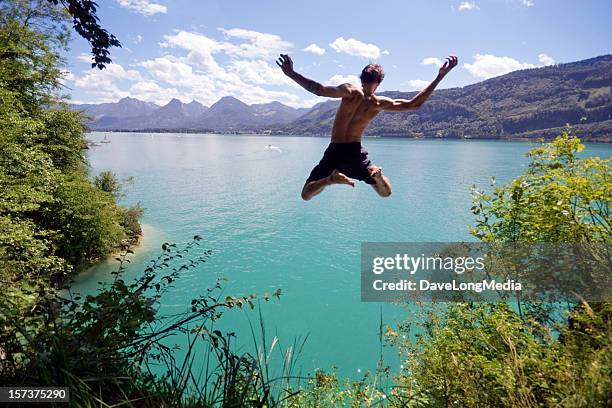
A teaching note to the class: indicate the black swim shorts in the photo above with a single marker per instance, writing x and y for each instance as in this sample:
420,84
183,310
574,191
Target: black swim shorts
348,158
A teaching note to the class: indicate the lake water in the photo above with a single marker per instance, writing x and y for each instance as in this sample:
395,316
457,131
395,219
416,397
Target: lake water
244,200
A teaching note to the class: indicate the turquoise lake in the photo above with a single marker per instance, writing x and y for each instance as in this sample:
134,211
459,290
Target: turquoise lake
244,200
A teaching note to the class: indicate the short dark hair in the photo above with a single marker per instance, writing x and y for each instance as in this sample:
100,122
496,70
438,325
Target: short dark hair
372,73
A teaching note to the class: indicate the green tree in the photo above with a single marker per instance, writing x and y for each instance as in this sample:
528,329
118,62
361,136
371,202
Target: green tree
32,35
107,181
560,198
46,195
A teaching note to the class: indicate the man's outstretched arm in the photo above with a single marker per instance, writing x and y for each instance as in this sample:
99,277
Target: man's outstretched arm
403,105
341,91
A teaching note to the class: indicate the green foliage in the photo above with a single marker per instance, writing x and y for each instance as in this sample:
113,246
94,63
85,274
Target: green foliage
483,355
46,195
86,222
560,198
86,22
327,390
131,221
32,34
53,220
527,355
63,139
117,341
107,181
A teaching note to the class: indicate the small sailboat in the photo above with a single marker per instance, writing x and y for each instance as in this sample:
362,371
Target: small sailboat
105,140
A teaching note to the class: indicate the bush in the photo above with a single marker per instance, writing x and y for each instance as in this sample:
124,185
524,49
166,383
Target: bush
524,354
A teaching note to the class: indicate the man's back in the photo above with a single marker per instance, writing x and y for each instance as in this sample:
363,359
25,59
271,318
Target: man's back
353,116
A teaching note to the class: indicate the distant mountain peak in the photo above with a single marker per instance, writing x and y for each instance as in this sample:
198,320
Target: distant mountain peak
229,102
270,104
174,102
129,101
194,108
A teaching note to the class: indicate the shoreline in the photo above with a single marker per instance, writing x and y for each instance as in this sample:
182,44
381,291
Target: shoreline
133,243
146,241
136,244
517,138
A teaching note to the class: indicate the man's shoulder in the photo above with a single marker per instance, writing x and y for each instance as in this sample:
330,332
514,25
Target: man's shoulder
381,101
381,98
353,90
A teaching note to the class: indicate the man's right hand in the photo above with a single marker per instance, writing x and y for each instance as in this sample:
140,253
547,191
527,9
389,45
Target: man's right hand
450,63
286,64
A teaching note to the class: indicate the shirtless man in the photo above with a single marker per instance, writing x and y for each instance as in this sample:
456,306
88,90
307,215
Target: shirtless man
345,158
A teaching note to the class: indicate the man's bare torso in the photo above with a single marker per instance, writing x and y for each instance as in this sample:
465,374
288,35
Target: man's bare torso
353,116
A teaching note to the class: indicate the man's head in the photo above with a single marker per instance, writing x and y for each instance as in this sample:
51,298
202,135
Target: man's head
371,76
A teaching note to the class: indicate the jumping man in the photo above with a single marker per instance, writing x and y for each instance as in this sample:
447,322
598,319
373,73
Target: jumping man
345,158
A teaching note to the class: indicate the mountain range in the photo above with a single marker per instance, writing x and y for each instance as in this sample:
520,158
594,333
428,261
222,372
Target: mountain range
228,114
535,102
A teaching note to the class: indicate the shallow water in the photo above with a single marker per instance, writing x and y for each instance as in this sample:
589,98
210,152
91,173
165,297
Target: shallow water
244,200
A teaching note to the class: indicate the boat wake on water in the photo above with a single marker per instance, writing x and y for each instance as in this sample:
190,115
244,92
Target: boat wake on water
275,148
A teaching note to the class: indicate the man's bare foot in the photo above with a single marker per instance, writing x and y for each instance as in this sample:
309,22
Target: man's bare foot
375,172
339,178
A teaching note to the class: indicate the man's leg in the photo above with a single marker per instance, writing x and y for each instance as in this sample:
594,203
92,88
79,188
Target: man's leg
383,185
312,188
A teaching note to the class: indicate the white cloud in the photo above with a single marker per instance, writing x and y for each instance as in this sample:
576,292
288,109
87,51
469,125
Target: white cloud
416,84
143,7
546,59
315,49
260,72
468,5
113,71
150,91
385,52
138,39
194,66
257,44
355,48
200,51
191,84
488,66
85,57
246,71
176,73
432,61
527,3
343,79
102,84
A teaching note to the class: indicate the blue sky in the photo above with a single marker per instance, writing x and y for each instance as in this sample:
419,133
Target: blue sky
206,49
